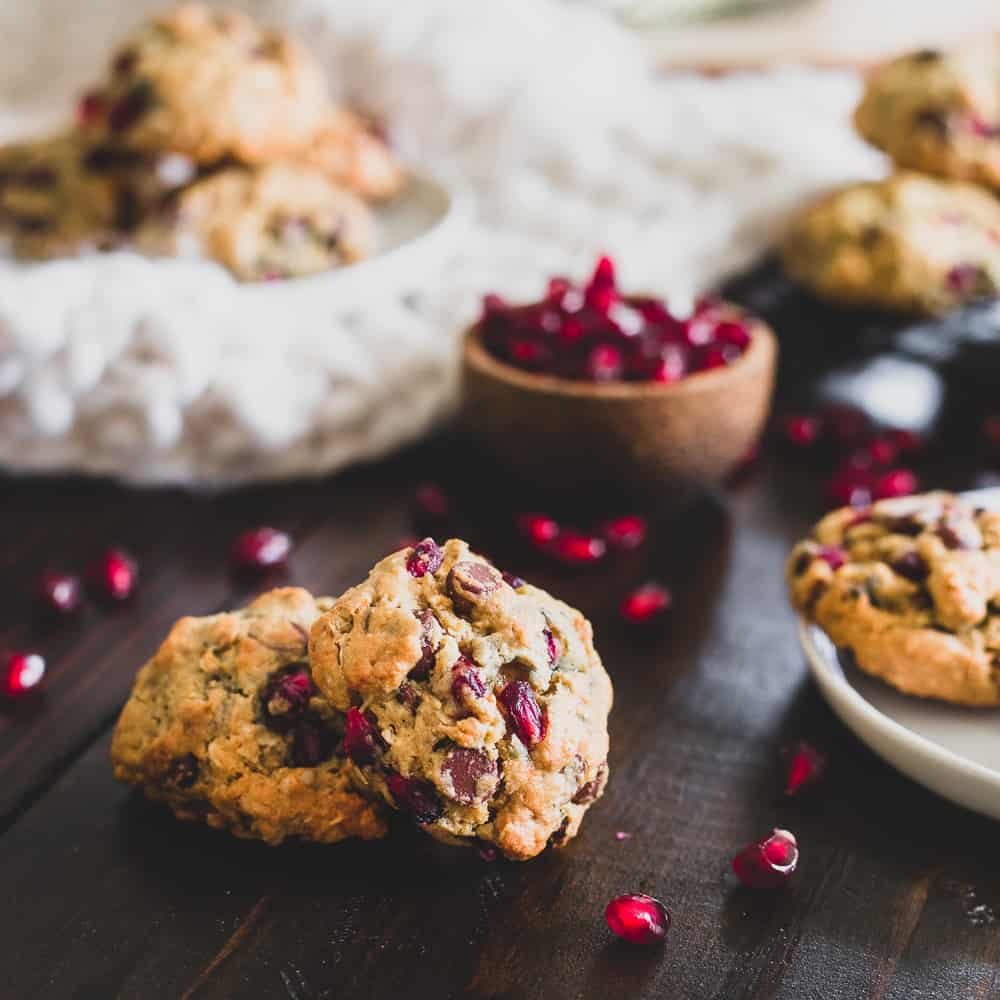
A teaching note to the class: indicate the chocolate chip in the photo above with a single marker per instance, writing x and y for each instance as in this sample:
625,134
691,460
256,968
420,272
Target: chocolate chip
430,632
470,583
466,768
558,837
183,772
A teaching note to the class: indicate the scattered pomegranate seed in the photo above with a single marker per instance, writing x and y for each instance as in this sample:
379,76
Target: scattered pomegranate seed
539,529
432,500
805,767
576,549
648,602
417,797
906,442
625,533
23,673
261,549
769,863
832,555
425,558
59,592
882,451
622,835
850,487
527,718
897,483
802,429
359,737
637,918
114,575
846,424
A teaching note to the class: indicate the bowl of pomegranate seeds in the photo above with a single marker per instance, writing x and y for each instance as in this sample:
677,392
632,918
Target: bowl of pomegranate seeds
591,386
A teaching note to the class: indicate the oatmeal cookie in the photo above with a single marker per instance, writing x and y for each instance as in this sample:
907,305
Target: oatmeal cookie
225,725
475,702
938,112
210,85
354,157
911,587
50,203
278,221
909,242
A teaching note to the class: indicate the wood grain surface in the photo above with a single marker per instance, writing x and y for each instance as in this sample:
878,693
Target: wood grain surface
107,896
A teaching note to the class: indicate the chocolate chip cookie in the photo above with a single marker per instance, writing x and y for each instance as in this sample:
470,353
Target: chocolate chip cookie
474,702
938,112
263,223
910,242
226,726
209,85
911,588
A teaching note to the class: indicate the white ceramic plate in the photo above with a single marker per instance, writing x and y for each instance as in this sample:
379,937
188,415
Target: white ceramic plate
951,750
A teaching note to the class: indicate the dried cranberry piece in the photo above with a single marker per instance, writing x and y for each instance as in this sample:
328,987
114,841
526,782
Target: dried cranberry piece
958,532
59,592
466,680
126,111
360,738
967,279
552,646
426,557
417,797
591,790
805,767
114,575
638,918
428,648
311,744
527,718
409,696
261,548
833,555
90,107
467,768
285,696
769,863
22,674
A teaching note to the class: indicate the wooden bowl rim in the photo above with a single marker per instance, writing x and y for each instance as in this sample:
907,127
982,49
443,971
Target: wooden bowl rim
762,350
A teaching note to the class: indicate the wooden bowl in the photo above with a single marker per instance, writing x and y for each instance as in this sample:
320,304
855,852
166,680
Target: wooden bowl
634,438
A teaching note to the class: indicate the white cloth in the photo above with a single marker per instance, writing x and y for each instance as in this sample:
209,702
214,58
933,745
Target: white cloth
574,143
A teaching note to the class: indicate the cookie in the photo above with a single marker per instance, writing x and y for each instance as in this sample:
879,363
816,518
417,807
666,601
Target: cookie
911,587
475,702
226,726
278,221
354,157
209,85
910,243
50,203
938,112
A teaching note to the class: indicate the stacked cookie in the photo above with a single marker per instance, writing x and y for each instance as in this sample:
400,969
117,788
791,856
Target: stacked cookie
926,239
466,699
210,135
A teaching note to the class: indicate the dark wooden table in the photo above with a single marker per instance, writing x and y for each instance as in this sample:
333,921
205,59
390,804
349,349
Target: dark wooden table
105,895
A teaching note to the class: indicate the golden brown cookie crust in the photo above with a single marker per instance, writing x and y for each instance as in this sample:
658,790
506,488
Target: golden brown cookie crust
195,732
909,242
911,587
400,648
938,112
211,85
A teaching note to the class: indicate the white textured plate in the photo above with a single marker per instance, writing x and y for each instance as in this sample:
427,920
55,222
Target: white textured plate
951,750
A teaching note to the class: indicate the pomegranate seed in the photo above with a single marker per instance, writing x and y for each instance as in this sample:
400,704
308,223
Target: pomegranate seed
733,333
991,429
466,680
622,835
551,646
605,363
805,767
832,555
527,718
537,528
59,592
714,357
648,602
671,367
911,566
851,487
906,442
114,575
637,918
846,424
23,673
625,533
90,107
897,483
493,305
432,500
769,863
576,549
359,737
802,430
881,451
286,695
425,558
604,274
418,798
261,549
